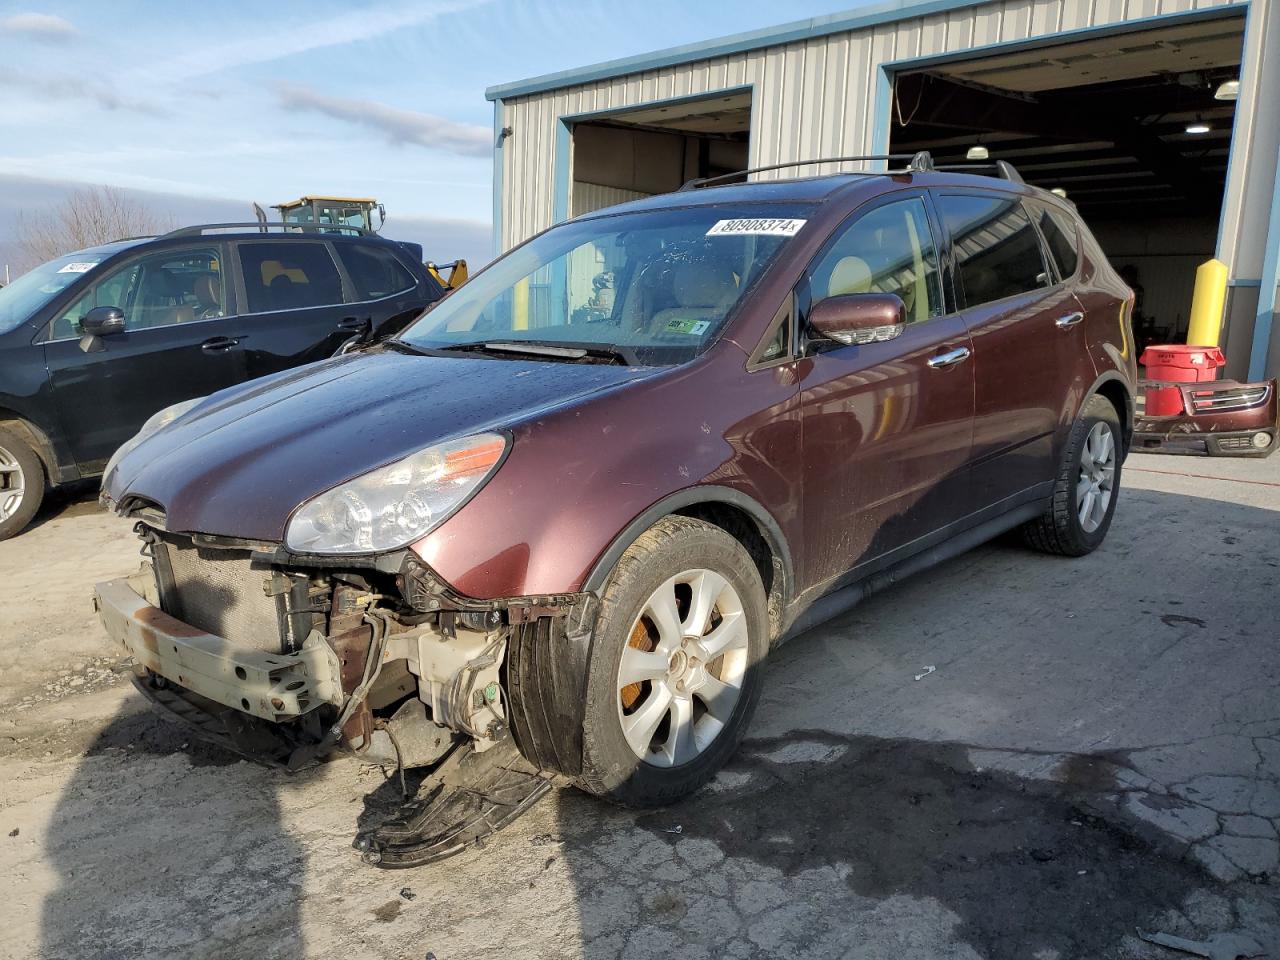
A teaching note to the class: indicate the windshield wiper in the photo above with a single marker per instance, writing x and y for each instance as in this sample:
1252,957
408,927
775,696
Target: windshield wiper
404,346
552,350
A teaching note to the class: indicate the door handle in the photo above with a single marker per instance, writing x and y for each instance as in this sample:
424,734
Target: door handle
950,358
1069,320
355,324
219,344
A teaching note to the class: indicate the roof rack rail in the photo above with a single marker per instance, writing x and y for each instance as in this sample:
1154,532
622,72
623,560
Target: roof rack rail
200,228
1004,169
917,163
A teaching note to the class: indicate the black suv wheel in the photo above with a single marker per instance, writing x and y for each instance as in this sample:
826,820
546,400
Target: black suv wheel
22,483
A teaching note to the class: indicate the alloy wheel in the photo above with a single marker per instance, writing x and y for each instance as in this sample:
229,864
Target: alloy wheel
1097,476
682,670
12,484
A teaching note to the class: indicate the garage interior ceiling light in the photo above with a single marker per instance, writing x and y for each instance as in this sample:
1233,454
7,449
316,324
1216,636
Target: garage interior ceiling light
1230,90
977,152
1198,127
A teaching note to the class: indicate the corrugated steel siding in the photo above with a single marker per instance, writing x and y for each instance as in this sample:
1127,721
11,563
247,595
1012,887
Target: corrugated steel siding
811,97
594,196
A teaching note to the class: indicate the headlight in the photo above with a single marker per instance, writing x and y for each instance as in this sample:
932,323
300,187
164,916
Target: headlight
163,418
394,505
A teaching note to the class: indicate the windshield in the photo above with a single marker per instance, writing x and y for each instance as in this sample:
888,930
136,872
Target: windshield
655,286
31,291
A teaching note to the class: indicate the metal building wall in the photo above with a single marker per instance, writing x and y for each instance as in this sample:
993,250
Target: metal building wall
589,196
813,97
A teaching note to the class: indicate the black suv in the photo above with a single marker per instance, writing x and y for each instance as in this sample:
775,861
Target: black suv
95,342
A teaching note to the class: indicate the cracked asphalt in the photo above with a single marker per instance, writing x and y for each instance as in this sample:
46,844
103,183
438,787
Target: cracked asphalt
1096,753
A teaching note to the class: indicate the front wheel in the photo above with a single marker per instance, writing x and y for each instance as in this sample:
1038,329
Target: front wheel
21,483
1087,485
674,671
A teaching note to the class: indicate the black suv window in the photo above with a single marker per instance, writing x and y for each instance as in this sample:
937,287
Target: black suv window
173,286
889,249
1059,233
374,271
996,249
289,276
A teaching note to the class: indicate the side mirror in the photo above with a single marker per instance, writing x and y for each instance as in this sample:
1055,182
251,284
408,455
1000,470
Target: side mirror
102,322
859,317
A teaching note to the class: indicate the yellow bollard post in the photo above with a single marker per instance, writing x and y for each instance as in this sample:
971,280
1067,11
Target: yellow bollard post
1207,304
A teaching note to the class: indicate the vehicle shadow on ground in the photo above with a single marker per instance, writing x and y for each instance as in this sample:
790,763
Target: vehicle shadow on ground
870,840
211,872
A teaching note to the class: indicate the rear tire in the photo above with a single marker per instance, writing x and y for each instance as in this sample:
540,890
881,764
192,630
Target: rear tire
1086,488
22,483
659,724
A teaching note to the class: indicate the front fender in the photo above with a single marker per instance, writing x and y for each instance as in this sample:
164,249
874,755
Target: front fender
581,483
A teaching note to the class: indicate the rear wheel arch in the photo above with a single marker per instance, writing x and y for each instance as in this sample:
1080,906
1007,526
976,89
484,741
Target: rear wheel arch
739,515
1114,389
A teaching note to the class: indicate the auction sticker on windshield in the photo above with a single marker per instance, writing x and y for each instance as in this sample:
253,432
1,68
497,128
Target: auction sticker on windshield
759,226
78,267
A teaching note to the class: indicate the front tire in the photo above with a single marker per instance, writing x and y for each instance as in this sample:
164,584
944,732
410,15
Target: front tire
674,674
1086,488
22,483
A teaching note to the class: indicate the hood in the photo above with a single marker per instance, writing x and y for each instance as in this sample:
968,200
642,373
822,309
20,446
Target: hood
242,461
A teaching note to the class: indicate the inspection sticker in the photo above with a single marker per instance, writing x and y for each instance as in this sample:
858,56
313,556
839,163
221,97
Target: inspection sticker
78,267
759,226
694,327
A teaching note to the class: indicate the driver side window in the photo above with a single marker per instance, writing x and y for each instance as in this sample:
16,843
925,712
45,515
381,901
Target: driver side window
176,286
887,250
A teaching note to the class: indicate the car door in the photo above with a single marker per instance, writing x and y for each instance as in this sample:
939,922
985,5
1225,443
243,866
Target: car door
385,292
296,309
176,344
1074,370
886,426
1011,305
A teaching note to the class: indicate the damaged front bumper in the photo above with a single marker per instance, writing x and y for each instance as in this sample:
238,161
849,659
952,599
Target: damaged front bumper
272,687
286,658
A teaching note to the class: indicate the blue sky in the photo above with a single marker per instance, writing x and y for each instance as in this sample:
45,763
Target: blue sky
264,101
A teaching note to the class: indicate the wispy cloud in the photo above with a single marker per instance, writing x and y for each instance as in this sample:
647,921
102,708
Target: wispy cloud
38,26
266,45
397,125
67,87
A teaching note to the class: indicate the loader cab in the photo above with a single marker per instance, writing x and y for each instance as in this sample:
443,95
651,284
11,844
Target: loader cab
335,211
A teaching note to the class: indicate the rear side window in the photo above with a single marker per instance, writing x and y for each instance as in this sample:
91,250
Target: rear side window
996,250
374,271
289,276
1059,232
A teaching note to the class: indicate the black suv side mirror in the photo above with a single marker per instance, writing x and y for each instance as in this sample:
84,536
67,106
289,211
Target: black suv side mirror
102,322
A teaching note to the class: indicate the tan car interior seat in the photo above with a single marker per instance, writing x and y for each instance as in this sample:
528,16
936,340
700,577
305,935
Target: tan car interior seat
702,291
849,275
208,294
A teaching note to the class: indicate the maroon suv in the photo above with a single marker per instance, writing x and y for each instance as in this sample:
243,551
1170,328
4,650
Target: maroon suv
574,505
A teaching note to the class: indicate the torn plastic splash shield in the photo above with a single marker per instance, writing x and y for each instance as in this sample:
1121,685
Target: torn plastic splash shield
468,798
